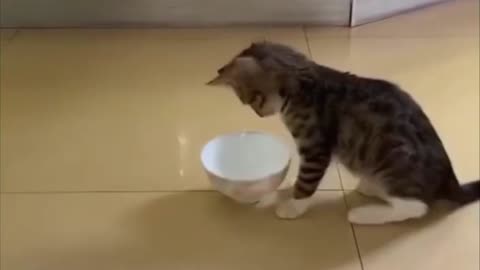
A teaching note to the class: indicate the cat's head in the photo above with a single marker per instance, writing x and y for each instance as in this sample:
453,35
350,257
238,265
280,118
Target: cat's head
261,75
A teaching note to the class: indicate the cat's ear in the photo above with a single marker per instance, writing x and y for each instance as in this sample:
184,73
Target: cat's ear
246,65
239,68
222,77
218,80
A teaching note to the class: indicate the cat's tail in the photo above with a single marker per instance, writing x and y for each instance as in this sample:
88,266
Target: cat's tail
466,193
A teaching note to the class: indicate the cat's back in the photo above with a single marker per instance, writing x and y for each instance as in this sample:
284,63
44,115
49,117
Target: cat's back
381,99
377,117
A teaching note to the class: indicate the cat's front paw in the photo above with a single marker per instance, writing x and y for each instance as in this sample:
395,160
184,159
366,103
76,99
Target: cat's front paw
269,200
292,208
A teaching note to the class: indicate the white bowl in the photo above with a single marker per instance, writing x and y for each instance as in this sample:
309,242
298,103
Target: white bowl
245,166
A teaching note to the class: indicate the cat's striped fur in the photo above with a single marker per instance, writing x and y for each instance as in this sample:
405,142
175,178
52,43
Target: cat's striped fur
372,126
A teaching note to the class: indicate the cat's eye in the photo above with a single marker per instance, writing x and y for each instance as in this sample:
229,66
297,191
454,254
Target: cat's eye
258,98
221,70
251,99
253,96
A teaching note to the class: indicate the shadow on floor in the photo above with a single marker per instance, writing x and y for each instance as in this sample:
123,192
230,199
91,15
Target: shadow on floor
195,231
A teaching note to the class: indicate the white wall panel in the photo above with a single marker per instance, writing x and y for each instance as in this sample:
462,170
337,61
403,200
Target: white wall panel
371,10
62,13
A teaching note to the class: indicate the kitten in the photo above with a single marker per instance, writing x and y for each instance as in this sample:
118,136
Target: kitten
372,126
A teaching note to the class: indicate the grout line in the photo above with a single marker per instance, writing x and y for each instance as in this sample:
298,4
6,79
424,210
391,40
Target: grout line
352,227
126,191
339,176
12,37
305,34
15,34
354,233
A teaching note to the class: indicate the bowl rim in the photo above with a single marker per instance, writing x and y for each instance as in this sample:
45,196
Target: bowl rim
248,180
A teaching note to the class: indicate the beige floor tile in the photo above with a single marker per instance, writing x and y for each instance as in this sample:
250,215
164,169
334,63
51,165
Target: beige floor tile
442,241
442,74
6,35
330,51
193,230
121,109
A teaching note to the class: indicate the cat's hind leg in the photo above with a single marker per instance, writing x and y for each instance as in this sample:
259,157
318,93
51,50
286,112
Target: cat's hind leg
369,189
403,198
397,209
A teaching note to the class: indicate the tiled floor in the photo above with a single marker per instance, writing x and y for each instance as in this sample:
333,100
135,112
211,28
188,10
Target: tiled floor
101,132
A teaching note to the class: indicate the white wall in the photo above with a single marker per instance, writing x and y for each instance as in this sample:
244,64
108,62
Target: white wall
64,13
371,10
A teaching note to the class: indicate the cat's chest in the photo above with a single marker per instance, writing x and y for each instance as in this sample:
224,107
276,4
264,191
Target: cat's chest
301,126
291,122
287,121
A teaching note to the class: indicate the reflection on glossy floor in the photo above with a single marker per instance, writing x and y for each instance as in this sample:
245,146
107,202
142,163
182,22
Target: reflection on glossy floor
101,132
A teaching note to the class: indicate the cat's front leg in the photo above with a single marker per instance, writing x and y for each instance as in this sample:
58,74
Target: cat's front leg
314,162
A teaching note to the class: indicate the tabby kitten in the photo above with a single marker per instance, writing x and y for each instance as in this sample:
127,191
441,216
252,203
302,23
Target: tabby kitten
372,126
